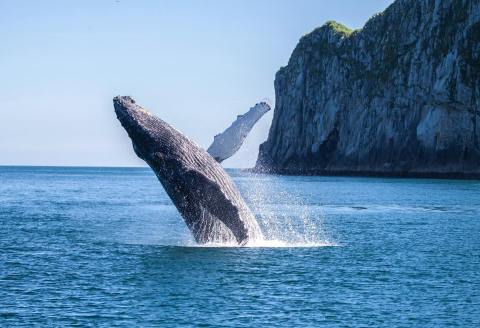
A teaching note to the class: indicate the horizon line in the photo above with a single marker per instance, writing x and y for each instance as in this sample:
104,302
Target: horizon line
96,166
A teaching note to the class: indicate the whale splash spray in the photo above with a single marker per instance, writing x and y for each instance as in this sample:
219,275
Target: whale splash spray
204,194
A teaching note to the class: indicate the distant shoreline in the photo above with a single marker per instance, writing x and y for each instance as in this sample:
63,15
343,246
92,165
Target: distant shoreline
370,174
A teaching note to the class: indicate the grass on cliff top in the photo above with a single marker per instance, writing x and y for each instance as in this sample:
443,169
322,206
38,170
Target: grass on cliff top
339,28
335,27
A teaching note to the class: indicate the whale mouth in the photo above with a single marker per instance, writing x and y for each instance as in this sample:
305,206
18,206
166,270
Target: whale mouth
126,111
135,120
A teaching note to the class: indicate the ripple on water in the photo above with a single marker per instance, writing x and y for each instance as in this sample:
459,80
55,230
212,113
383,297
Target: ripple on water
87,251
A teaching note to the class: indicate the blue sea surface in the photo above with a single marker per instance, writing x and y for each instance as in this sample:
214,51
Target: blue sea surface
106,247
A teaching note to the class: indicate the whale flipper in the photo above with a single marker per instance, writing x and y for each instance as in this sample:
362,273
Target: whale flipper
227,143
202,191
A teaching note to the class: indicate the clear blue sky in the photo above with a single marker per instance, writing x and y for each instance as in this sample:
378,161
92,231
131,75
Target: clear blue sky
196,64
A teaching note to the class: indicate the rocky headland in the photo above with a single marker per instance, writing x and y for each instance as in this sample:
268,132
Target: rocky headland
399,97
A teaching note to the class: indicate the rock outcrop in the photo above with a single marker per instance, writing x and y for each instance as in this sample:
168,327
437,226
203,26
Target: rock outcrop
227,143
401,96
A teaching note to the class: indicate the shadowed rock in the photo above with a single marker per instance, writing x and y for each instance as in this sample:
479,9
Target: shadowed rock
227,143
202,191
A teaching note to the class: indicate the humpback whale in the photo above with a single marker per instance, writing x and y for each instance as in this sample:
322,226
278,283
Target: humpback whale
198,186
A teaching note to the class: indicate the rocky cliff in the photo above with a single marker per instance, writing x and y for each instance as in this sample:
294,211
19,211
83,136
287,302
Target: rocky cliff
401,96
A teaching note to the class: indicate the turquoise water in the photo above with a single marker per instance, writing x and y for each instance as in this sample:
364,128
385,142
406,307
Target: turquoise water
105,247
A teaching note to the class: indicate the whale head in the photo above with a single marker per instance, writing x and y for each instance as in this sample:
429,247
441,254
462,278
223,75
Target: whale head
139,124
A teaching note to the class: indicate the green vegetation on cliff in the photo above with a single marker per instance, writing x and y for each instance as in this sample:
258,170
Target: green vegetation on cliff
339,28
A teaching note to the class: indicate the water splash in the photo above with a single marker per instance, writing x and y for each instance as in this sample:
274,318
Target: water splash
285,220
264,243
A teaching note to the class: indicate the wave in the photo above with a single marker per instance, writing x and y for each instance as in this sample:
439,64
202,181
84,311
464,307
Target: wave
266,243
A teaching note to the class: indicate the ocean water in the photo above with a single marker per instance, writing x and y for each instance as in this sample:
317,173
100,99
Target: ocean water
105,247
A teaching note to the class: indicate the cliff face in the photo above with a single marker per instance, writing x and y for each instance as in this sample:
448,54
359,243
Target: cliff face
400,96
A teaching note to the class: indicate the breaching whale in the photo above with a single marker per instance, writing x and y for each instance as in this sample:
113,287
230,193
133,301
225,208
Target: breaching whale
198,186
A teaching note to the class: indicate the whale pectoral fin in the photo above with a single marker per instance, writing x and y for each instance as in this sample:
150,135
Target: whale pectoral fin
227,143
214,200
